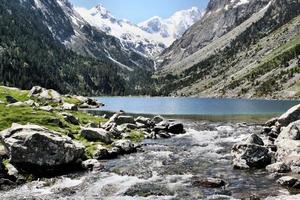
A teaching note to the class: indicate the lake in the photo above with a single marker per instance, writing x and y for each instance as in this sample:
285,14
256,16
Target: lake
195,106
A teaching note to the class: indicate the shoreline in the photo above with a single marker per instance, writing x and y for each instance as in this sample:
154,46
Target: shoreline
248,118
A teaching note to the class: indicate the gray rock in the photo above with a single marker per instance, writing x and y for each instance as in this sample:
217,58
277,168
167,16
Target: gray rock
122,119
126,126
288,181
68,117
126,146
254,139
31,103
35,91
250,156
143,120
295,169
290,116
209,182
101,153
176,128
50,95
158,119
279,167
92,164
68,106
11,99
47,108
2,102
96,134
17,104
271,122
32,145
288,145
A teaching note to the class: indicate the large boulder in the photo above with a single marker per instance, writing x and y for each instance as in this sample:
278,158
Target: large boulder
46,95
176,128
123,119
125,146
290,116
279,167
68,117
11,99
250,154
143,120
288,181
97,134
33,147
69,106
288,144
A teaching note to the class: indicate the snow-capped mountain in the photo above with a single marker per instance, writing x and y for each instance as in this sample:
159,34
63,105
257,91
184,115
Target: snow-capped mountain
148,38
74,32
172,28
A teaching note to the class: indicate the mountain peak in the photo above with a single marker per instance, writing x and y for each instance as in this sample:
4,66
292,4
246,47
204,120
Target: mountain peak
102,11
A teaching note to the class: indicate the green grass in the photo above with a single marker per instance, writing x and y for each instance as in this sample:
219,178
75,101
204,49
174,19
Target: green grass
136,136
71,100
20,95
51,120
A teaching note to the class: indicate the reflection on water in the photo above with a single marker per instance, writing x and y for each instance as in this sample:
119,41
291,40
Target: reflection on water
194,106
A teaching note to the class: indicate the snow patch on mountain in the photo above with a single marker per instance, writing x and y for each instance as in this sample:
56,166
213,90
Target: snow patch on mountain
173,27
149,38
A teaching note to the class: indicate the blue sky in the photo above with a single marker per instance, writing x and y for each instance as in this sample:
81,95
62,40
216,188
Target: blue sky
140,10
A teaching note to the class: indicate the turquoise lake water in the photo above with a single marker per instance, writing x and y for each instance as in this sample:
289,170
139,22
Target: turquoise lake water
194,106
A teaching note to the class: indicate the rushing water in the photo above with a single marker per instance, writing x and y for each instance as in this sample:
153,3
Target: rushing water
194,106
165,169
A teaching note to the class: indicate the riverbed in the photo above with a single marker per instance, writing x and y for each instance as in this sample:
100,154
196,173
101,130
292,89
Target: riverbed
165,169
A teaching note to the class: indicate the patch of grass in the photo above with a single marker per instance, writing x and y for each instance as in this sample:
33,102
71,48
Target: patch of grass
86,118
20,95
71,100
136,136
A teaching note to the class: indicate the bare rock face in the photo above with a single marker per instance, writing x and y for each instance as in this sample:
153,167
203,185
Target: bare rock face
32,147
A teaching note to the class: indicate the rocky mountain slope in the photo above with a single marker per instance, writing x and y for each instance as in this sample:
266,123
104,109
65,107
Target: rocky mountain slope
148,38
68,27
39,45
238,49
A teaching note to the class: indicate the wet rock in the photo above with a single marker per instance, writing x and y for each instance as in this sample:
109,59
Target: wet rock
290,116
176,128
250,156
143,120
163,134
148,189
254,139
96,134
278,167
35,148
158,119
123,119
92,164
126,146
271,122
68,117
209,182
11,99
47,108
68,106
101,153
288,181
295,169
